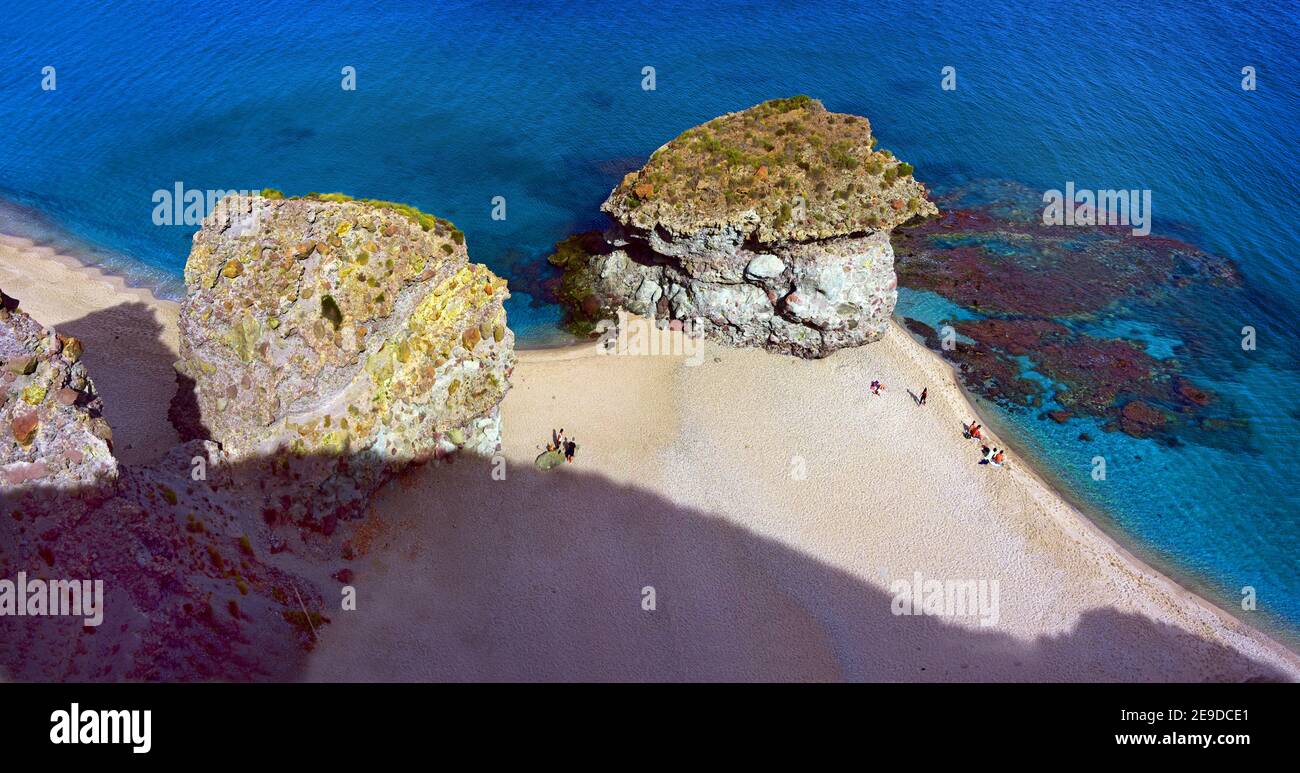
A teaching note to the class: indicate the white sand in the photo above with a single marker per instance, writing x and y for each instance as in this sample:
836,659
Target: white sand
686,481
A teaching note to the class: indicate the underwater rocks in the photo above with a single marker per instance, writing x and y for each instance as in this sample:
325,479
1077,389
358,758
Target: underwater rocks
767,227
1035,298
52,433
1104,378
997,257
328,328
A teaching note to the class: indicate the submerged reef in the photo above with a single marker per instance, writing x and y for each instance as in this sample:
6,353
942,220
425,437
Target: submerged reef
766,227
1038,302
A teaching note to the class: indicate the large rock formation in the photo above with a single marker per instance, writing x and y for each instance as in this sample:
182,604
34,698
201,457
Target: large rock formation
326,327
52,433
326,343
767,227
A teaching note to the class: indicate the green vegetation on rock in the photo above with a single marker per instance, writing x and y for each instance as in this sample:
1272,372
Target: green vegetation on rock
423,219
804,171
577,291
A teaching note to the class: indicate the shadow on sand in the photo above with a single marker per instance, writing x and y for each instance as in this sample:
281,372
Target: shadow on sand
460,575
132,368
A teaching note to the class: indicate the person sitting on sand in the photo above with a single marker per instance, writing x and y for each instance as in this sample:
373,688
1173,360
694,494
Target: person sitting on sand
975,431
569,448
985,453
997,458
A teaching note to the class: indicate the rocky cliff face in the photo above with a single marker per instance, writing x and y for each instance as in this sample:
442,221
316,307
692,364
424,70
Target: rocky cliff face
338,328
54,435
768,227
326,343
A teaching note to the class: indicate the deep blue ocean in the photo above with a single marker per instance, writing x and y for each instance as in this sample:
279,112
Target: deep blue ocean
542,103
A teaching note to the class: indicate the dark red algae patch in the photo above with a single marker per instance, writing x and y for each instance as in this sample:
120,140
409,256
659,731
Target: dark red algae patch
994,264
1035,289
985,371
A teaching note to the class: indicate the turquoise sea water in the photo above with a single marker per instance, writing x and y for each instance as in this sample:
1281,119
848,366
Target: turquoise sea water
542,104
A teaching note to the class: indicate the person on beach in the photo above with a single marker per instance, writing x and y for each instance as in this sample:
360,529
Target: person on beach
974,431
569,448
997,457
557,439
924,393
877,388
985,453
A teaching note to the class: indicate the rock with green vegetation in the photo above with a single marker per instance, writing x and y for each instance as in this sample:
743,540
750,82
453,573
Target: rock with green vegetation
767,227
52,431
353,330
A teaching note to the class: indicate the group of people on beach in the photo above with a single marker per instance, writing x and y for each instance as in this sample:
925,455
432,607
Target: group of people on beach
994,456
878,389
973,431
565,445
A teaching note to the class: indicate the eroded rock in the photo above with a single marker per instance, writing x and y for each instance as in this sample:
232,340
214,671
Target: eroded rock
52,432
349,329
767,227
325,344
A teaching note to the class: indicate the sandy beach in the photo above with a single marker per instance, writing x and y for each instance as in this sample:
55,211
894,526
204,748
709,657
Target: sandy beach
130,338
745,518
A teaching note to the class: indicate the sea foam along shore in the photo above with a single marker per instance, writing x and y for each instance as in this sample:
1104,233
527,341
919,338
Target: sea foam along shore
816,497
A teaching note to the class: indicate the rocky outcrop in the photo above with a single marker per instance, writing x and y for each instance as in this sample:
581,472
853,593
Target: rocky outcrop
326,327
768,227
326,343
52,433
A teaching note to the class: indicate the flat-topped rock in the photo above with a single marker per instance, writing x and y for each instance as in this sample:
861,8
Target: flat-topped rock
784,170
767,227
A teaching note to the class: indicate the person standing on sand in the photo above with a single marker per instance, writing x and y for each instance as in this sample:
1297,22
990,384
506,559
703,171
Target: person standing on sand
924,393
569,448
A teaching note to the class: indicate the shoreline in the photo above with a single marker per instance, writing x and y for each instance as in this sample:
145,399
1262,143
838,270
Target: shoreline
1091,518
79,288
